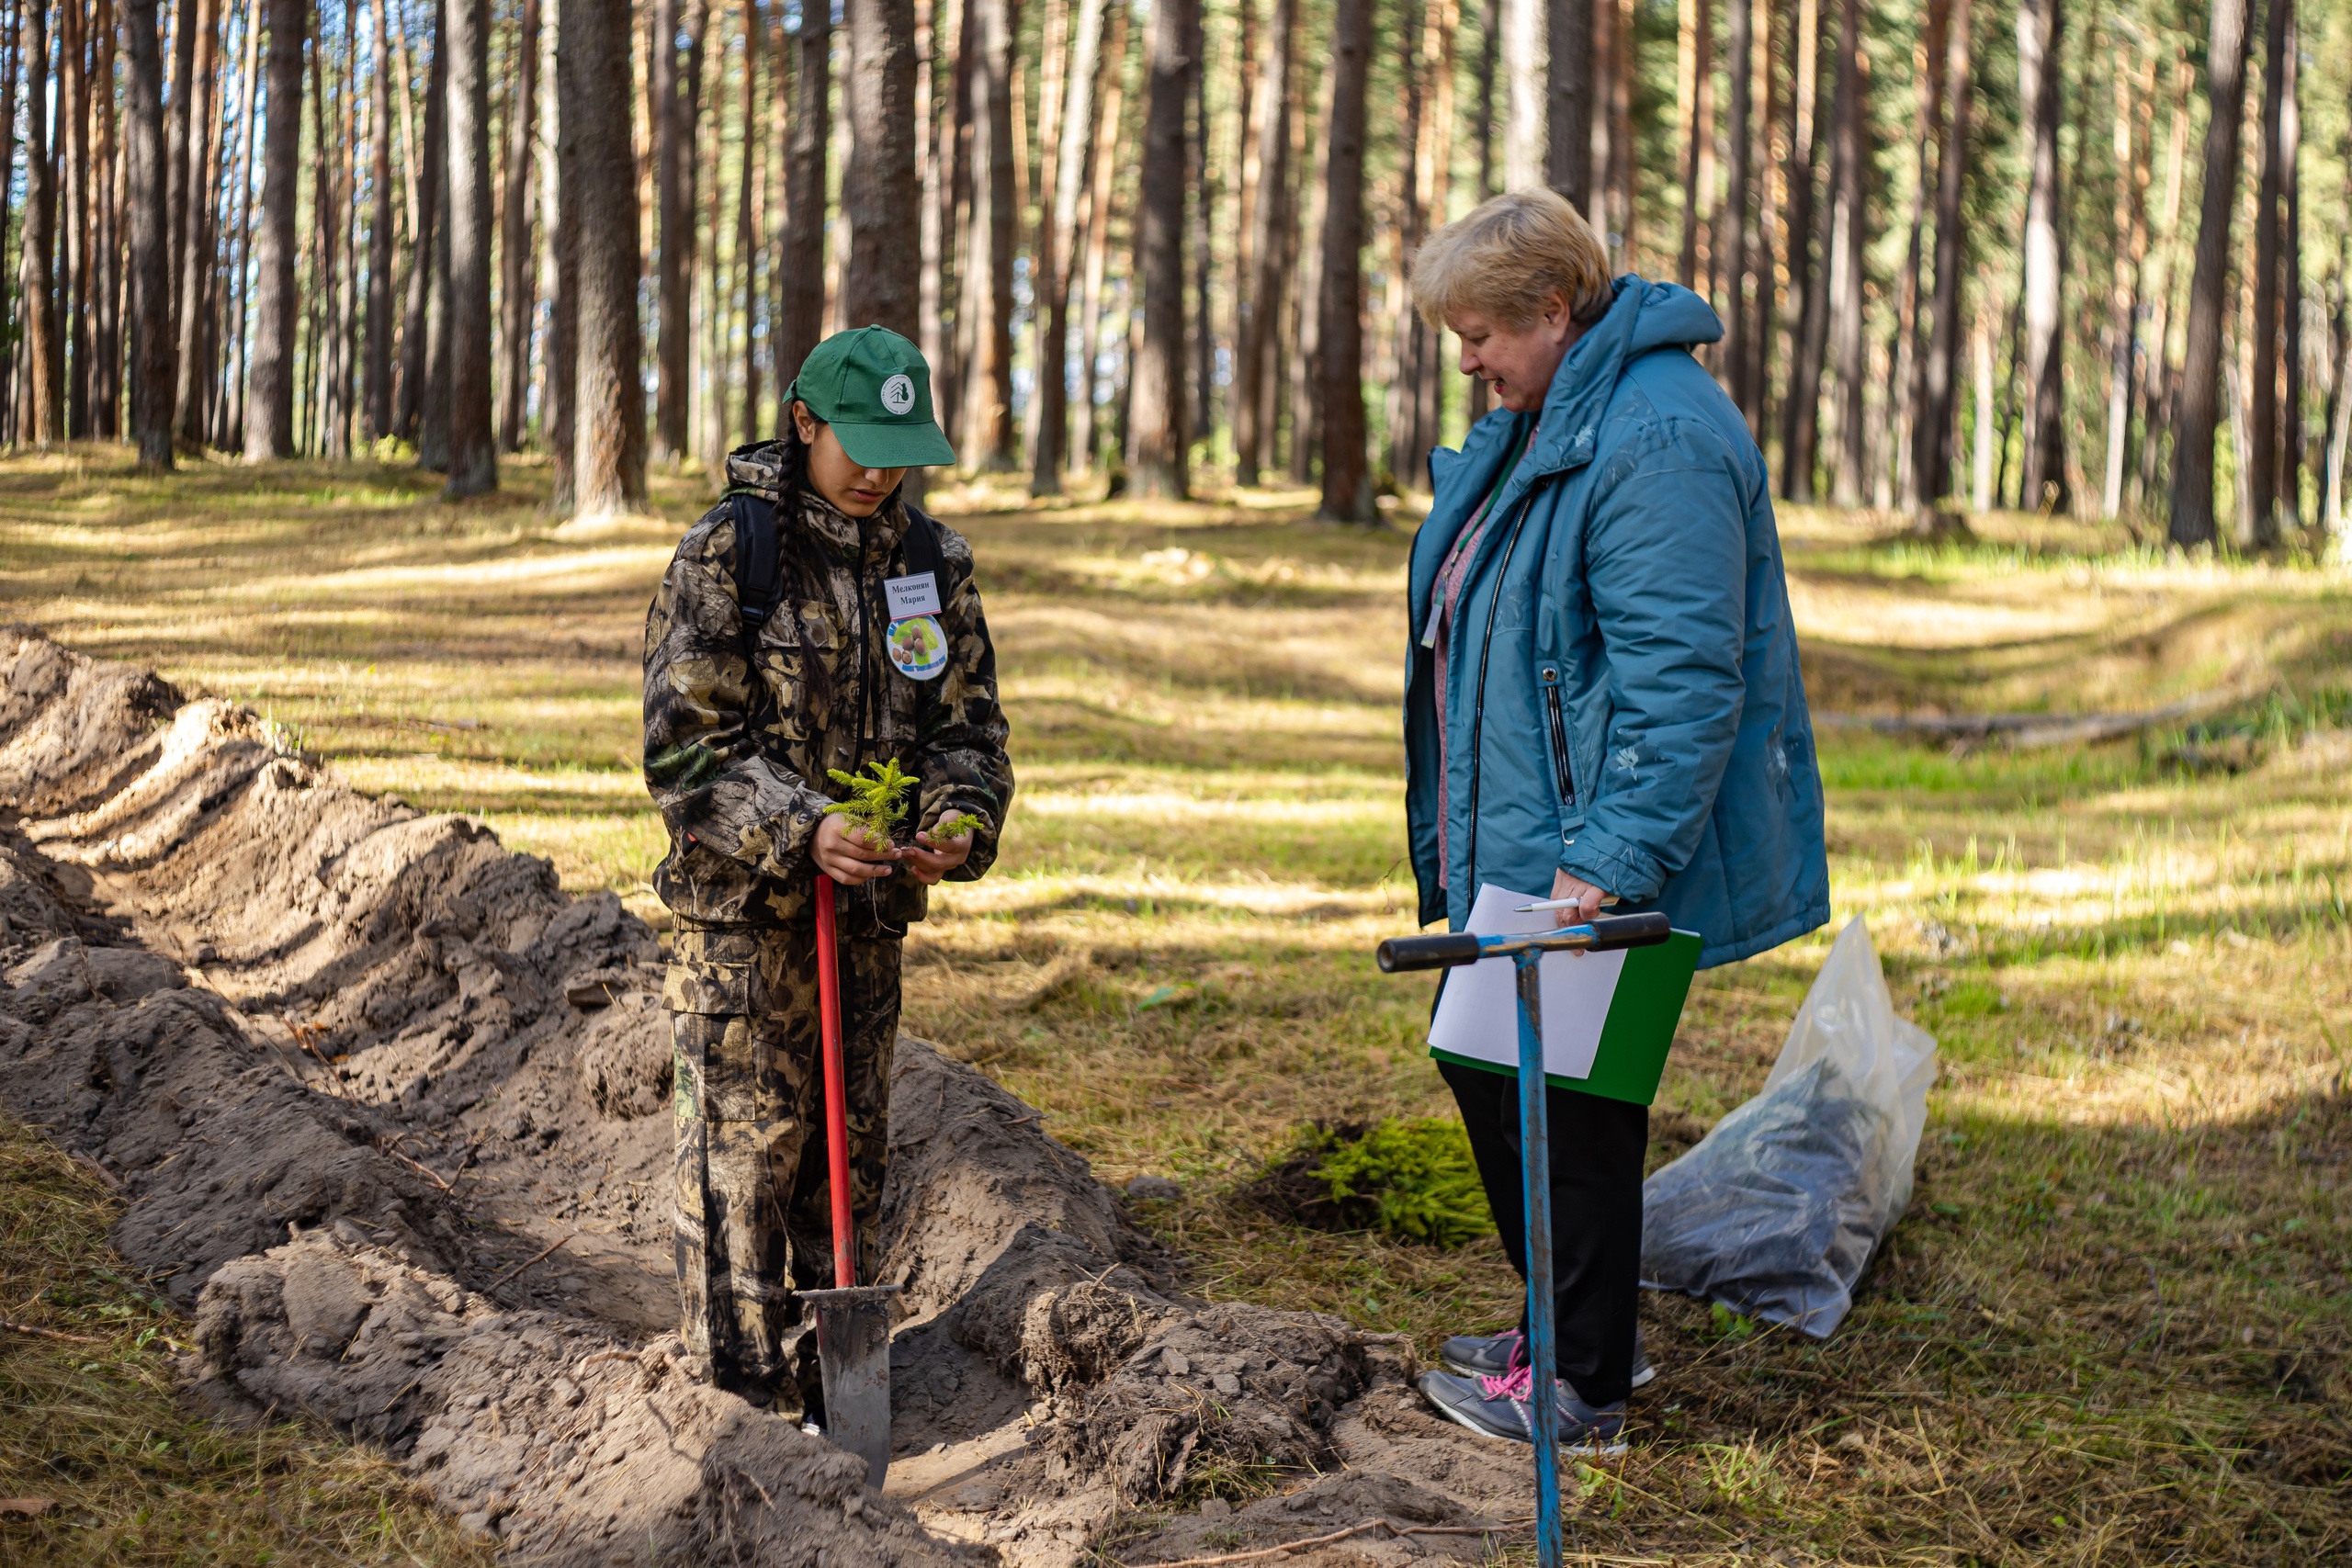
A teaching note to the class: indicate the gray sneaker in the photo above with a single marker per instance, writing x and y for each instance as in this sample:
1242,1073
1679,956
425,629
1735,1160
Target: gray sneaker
1497,1355
1500,1408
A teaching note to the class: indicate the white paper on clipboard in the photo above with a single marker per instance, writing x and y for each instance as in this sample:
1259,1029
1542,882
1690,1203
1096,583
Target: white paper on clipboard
1478,1015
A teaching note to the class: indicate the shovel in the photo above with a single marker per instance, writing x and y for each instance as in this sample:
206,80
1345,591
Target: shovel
852,1320
1526,951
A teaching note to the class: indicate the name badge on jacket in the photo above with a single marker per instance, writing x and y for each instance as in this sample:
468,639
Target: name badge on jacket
918,644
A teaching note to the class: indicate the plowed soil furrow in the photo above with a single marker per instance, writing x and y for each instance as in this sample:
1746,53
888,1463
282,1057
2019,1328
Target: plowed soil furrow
390,1111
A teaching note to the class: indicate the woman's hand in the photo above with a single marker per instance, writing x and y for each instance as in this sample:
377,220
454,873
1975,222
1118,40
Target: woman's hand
843,853
1588,897
931,857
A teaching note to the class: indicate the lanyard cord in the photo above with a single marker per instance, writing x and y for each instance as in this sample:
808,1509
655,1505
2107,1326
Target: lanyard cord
1478,702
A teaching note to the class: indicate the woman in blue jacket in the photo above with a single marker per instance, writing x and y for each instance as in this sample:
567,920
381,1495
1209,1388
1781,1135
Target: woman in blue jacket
1601,699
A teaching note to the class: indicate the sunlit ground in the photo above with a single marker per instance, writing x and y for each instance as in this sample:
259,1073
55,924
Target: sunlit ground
2113,1327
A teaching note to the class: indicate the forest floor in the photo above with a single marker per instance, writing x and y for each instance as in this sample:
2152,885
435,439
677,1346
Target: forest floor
2116,1325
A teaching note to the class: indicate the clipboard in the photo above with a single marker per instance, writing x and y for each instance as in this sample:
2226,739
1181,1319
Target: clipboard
1609,1018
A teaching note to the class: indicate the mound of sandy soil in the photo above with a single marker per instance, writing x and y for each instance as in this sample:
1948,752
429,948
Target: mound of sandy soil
389,1111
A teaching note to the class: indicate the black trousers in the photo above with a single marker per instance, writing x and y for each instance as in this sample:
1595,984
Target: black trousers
1597,1145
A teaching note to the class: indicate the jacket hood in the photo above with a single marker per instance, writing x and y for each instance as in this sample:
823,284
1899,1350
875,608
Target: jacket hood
1644,316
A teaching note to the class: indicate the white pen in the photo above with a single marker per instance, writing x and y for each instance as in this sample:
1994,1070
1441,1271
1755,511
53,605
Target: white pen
1608,900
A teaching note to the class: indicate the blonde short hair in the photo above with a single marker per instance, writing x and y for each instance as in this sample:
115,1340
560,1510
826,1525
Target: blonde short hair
1507,256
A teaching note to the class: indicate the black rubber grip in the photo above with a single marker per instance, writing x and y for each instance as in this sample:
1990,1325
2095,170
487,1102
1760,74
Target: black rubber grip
1444,951
1612,932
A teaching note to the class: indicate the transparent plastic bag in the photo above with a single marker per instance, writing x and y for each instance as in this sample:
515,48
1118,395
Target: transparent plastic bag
1776,1212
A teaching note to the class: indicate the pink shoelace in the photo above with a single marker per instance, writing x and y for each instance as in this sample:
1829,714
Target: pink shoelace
1518,1384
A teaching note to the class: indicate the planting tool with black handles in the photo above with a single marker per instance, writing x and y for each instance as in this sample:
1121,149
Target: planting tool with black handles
852,1320
1526,951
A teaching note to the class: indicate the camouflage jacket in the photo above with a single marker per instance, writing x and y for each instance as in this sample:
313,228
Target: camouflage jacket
737,756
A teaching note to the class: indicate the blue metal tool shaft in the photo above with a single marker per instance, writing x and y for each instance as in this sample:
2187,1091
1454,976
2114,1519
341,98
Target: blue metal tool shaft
1543,1345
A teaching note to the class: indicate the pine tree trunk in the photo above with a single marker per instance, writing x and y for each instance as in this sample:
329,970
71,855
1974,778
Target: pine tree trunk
2260,525
800,313
879,188
1108,140
2040,38
109,239
416,333
191,257
1849,249
1905,391
561,215
1254,383
269,405
11,79
2156,380
1404,382
1347,486
1200,183
2198,413
1524,127
473,433
432,423
229,396
1567,142
1809,339
74,113
518,293
748,235
608,410
1731,242
40,420
2290,287
677,112
1157,454
1056,247
1695,106
2127,240
380,236
150,261
1934,390
184,78
985,407
1303,354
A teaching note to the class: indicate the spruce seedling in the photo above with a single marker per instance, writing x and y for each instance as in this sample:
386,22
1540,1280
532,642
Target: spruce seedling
876,804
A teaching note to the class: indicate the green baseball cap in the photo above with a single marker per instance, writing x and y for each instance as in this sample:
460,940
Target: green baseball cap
873,386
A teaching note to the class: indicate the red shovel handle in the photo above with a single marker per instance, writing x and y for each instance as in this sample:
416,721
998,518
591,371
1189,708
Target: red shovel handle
829,1012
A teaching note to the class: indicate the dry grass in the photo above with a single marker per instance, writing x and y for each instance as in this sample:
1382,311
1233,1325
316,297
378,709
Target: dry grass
109,1466
2113,1328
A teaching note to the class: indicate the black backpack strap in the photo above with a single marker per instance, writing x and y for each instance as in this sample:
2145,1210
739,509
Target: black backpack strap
923,547
758,564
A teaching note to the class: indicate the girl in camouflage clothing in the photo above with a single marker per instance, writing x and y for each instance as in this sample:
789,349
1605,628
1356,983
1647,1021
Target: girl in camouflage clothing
745,721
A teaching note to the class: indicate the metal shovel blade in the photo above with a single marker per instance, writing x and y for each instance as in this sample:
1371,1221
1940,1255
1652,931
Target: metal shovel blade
853,1352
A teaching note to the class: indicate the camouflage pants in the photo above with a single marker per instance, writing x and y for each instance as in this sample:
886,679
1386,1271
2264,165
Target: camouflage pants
754,1221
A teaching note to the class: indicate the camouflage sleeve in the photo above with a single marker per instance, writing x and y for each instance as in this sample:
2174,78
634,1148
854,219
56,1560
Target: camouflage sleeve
713,782
960,738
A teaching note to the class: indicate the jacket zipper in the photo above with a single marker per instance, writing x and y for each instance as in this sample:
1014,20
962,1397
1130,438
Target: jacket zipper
1560,772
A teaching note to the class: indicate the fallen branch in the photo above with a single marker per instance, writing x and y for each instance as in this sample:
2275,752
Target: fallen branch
49,1333
1342,1535
113,1182
539,1256
2026,731
419,1166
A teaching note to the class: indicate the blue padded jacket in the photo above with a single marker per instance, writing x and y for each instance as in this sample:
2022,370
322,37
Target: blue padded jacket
1623,699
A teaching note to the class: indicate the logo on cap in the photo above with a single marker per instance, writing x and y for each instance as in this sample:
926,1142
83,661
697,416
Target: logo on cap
898,393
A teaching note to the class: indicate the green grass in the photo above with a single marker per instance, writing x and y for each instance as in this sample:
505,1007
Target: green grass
2114,1327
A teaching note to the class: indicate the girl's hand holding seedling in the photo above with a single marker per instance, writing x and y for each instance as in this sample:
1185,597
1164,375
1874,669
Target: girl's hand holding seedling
933,854
844,850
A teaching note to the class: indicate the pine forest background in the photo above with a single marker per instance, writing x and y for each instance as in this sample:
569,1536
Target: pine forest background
2071,255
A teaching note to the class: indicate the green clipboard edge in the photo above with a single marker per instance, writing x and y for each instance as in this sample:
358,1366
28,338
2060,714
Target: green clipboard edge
1639,1032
